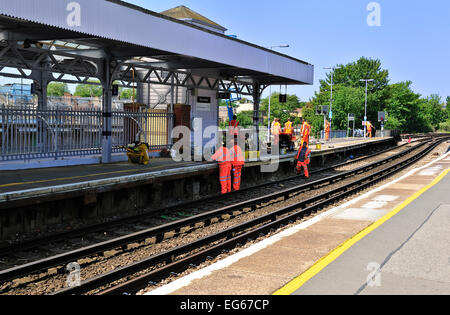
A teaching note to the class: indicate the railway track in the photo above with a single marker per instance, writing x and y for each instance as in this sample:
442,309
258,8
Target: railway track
71,240
169,257
263,226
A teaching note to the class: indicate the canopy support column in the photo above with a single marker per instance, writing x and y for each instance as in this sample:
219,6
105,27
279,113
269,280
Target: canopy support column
256,103
107,113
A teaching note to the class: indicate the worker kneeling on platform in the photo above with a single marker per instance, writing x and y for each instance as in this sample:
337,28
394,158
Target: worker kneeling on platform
303,159
223,156
237,161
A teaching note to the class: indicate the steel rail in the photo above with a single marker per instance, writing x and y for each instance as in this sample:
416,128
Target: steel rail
133,286
230,235
97,227
191,222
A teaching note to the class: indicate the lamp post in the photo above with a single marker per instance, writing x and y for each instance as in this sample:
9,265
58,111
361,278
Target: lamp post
270,95
365,106
333,69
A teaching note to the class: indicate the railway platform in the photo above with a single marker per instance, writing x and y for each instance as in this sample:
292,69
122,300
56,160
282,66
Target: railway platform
22,183
391,240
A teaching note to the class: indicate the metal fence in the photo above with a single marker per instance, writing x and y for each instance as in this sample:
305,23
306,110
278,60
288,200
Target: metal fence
335,134
29,133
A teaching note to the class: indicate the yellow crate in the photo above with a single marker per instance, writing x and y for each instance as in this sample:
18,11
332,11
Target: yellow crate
252,155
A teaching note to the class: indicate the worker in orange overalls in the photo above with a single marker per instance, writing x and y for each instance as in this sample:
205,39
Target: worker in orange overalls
234,127
327,130
306,132
237,162
224,158
276,131
369,129
303,159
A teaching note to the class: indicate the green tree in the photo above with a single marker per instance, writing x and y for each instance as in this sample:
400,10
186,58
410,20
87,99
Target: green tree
243,101
57,89
245,119
349,91
432,110
89,90
126,94
279,110
404,109
448,107
316,122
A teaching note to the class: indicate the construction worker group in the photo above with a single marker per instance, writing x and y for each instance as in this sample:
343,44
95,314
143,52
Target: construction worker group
231,161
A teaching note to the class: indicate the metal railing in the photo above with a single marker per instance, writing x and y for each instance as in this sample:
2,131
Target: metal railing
335,134
29,133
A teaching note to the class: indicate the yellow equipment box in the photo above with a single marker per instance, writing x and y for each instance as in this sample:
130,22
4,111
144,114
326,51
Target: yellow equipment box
252,155
138,153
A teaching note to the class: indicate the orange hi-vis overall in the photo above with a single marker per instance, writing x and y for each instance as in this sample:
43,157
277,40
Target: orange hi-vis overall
224,158
303,158
237,161
234,128
369,129
327,131
306,132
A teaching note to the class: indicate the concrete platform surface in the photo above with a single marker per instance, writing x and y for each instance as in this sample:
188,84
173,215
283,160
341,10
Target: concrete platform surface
409,254
338,251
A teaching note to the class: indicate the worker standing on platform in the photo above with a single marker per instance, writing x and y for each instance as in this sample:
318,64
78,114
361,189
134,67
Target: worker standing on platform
327,130
237,162
369,129
288,128
306,132
224,158
276,131
303,159
234,127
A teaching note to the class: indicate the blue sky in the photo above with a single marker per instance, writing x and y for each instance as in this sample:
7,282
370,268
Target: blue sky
413,41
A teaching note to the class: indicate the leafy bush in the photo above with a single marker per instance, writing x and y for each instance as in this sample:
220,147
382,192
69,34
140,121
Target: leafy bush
445,126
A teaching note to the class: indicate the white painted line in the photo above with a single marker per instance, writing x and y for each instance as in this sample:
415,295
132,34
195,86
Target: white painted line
375,205
185,281
361,214
386,198
431,171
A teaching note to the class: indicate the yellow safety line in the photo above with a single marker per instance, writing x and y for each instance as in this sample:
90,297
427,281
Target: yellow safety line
298,282
77,177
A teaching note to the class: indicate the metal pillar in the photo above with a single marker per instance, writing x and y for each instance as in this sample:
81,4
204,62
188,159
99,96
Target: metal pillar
256,101
107,113
171,118
269,124
140,93
40,82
